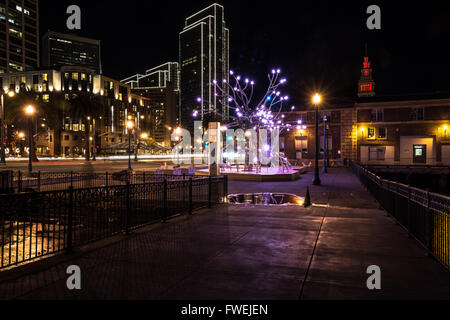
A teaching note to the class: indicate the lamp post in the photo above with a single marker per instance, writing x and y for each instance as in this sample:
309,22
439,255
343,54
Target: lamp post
325,145
2,129
29,111
316,101
130,126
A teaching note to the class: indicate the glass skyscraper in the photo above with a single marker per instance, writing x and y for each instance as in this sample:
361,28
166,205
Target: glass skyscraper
204,57
19,35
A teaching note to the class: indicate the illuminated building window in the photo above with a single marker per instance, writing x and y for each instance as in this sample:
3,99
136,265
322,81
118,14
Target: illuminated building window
83,76
75,76
76,127
371,133
66,75
46,98
44,77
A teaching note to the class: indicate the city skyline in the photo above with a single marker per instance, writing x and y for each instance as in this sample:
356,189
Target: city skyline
323,49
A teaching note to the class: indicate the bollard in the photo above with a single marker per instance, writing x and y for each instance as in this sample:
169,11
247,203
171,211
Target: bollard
307,202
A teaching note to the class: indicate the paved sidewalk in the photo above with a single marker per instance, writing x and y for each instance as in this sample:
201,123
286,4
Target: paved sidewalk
255,253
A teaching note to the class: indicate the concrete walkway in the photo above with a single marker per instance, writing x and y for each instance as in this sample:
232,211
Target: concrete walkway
251,253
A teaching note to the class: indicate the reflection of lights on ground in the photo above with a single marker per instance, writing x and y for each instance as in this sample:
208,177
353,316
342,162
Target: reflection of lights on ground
29,241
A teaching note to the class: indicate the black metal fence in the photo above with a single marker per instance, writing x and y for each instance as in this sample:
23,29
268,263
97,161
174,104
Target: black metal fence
37,224
53,181
425,215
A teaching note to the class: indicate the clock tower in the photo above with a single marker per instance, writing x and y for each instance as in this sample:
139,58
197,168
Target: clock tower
366,85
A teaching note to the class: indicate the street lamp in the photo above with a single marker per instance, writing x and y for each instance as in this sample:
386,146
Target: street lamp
325,145
29,111
316,100
130,126
143,136
2,129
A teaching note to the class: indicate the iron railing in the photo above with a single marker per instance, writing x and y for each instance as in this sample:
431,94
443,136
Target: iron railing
37,224
54,181
425,215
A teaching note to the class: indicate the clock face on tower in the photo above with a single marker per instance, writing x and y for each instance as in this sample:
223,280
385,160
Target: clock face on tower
366,85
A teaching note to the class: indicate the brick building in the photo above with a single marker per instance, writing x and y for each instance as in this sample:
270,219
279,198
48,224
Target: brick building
404,130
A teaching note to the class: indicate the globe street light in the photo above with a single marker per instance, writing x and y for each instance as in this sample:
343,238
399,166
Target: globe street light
316,100
2,129
130,126
29,111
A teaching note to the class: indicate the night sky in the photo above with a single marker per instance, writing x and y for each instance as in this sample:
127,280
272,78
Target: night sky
318,44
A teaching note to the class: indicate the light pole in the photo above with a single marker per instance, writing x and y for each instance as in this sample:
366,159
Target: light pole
316,181
2,134
29,111
130,126
325,145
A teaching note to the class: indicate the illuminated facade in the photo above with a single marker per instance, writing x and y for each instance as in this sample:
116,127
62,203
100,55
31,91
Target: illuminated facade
204,57
390,130
161,86
114,103
408,130
60,49
19,35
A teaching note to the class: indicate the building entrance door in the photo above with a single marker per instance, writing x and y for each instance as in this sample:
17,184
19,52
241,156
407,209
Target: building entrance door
420,153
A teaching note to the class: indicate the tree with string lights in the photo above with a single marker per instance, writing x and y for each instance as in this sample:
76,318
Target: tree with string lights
268,113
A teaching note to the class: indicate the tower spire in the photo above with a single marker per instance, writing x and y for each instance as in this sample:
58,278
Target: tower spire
366,84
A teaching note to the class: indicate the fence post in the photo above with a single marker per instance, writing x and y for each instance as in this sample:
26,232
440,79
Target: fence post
429,224
106,177
127,215
409,211
71,178
20,181
39,181
210,192
190,195
396,204
70,222
165,202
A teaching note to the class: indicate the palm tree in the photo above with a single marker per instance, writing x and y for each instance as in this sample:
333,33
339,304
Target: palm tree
51,111
86,107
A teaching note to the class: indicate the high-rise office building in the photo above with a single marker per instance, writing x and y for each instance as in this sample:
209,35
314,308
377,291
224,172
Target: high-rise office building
204,57
19,35
60,49
161,85
157,77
